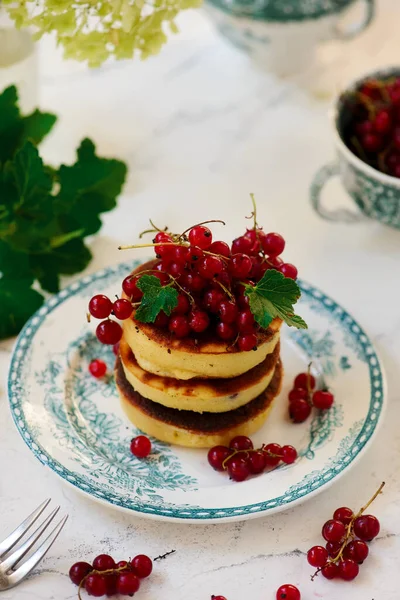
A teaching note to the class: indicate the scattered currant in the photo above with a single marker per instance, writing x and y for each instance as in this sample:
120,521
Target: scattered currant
346,548
141,446
303,397
97,368
288,592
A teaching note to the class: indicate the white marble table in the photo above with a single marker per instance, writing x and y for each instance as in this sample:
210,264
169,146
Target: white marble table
200,128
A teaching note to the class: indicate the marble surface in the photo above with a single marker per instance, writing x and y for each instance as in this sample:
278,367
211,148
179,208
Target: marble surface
200,128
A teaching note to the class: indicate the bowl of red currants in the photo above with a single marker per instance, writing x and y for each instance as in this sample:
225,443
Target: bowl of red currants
366,123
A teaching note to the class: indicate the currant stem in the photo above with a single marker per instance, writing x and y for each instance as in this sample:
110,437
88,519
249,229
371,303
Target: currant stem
227,292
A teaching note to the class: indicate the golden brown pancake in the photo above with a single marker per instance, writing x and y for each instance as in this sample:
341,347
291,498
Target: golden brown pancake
193,429
160,352
197,394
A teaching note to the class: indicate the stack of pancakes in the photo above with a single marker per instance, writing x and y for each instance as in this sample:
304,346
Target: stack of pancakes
196,392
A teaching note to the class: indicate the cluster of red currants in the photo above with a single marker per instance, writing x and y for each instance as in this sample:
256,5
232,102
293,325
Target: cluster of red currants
346,537
304,396
106,577
286,591
241,459
210,277
101,307
373,132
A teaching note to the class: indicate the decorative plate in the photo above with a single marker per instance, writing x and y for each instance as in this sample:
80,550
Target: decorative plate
73,423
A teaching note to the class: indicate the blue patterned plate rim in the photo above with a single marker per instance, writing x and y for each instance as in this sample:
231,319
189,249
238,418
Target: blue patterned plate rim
320,480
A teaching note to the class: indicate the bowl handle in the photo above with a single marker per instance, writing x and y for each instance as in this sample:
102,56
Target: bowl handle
351,31
321,178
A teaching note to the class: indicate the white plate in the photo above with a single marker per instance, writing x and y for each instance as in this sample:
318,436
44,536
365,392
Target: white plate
73,423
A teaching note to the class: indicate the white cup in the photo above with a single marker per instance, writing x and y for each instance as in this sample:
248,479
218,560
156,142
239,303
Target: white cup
19,65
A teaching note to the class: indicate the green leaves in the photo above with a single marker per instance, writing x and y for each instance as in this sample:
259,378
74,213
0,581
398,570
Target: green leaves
156,298
274,296
17,303
45,213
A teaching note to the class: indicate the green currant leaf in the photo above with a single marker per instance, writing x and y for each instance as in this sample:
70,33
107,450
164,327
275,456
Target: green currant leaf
274,296
156,298
17,303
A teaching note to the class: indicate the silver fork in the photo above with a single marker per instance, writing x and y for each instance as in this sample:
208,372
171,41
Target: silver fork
10,573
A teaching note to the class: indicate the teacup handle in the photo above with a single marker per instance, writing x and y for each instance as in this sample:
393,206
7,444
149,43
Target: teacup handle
355,28
322,177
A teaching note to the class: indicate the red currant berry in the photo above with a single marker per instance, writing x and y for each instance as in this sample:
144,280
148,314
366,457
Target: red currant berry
142,566
356,550
304,381
176,270
371,142
273,244
299,410
322,399
226,331
256,462
96,585
333,548
227,311
163,278
111,583
161,320
317,556
288,270
194,282
122,564
127,583
97,368
193,254
348,569
289,454
247,342
274,262
238,468
298,394
241,442
179,326
210,267
198,320
129,285
109,332
273,454
333,531
220,248
100,306
246,322
163,251
343,514
217,455
180,254
141,446
103,562
254,235
383,122
366,527
240,266
212,299
241,245
218,597
183,305
78,572
200,236
364,127
116,349
122,309
330,571
288,592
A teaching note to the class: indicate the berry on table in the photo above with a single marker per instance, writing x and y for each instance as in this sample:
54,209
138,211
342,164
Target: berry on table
288,592
333,531
317,556
348,569
366,527
100,306
333,548
305,381
141,446
289,454
97,368
322,399
356,550
330,570
299,410
127,583
103,562
78,572
142,566
122,309
109,332
343,514
122,564
96,585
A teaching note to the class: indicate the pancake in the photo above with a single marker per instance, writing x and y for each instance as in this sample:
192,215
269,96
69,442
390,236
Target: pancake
199,395
191,429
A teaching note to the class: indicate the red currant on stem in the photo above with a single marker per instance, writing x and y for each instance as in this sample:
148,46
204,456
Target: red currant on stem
200,236
247,342
322,399
333,531
142,566
330,571
198,320
220,248
122,309
241,442
103,562
299,410
305,381
217,456
348,569
129,285
289,454
273,244
141,446
218,597
179,326
356,550
288,592
343,514
96,585
226,331
317,556
366,527
298,394
273,454
100,306
78,572
257,462
97,368
238,468
109,332
127,583
288,270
